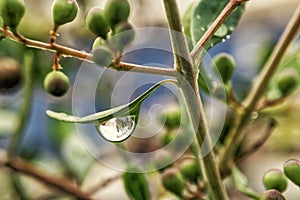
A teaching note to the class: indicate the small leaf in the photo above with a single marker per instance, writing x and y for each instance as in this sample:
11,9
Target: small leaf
135,183
131,108
204,15
241,183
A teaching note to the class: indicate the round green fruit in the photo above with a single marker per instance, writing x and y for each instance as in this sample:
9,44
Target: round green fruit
287,81
96,22
12,11
116,11
272,195
102,56
275,179
292,170
10,73
224,65
56,83
189,169
173,181
64,11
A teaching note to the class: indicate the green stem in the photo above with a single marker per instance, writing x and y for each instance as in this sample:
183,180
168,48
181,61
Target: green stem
190,90
236,134
25,108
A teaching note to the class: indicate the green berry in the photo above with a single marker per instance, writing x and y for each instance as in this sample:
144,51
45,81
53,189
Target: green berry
272,195
116,11
292,170
287,81
224,65
173,181
10,73
275,179
96,22
189,169
102,56
12,11
56,83
64,11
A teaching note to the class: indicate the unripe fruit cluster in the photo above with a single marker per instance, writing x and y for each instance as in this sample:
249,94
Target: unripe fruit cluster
173,179
112,21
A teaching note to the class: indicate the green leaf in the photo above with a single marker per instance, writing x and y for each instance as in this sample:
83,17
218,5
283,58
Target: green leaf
241,183
204,15
135,183
131,108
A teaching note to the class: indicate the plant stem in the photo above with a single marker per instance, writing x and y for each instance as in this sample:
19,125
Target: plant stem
190,90
61,184
82,55
25,107
236,134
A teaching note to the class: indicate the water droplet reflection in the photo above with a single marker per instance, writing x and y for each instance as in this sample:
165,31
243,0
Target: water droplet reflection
117,129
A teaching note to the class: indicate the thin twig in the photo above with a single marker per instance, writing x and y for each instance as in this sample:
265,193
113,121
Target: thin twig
229,8
103,184
61,184
256,146
82,55
236,134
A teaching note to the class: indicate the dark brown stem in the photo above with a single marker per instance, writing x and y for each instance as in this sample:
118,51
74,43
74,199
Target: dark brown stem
60,184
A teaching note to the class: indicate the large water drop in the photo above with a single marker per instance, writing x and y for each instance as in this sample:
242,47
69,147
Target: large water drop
117,129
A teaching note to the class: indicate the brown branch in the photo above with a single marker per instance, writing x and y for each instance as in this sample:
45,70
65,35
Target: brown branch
82,55
103,184
58,183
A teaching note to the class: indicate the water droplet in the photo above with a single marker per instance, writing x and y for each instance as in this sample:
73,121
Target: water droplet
223,40
202,29
222,31
227,37
254,115
117,129
198,16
